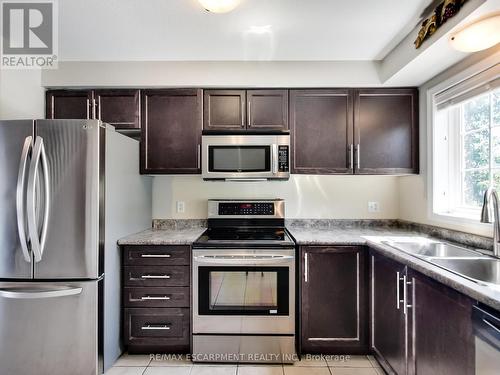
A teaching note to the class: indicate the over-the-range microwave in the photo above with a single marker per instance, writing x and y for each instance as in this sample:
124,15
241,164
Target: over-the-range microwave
246,157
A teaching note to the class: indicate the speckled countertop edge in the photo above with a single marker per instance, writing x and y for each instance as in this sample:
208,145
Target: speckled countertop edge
487,295
163,237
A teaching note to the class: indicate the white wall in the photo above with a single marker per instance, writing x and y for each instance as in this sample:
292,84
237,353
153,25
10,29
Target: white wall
413,197
21,95
212,74
335,197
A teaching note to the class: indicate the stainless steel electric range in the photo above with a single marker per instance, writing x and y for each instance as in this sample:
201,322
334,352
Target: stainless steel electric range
244,284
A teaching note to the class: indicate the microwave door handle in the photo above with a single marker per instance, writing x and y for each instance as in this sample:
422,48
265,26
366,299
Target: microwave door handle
274,158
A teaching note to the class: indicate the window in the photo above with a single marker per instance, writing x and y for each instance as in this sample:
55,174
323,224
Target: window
466,147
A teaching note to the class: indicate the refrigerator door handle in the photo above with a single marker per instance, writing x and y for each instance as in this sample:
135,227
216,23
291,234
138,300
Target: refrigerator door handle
37,240
33,293
20,202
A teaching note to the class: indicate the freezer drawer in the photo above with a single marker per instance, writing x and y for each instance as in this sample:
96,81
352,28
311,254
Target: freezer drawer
49,328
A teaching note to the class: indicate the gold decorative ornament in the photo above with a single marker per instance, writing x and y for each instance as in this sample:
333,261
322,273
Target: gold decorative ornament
442,13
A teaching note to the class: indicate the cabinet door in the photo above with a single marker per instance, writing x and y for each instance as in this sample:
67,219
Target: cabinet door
334,300
267,110
321,129
389,321
119,108
443,337
386,131
69,104
224,110
171,131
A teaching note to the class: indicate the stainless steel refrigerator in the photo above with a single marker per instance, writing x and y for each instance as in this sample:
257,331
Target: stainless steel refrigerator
53,242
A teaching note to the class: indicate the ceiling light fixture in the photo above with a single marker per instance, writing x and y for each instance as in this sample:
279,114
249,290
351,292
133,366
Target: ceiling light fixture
219,6
481,34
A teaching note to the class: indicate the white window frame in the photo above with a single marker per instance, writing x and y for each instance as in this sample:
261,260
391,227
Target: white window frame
429,141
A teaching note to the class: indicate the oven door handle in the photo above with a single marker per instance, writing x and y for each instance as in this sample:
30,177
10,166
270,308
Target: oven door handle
242,260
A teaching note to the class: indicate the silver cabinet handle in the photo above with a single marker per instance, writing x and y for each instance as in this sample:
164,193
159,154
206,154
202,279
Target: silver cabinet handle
274,161
34,293
155,276
358,156
20,201
351,156
155,327
94,109
155,255
398,280
306,268
198,156
153,298
88,109
249,106
38,240
98,107
406,306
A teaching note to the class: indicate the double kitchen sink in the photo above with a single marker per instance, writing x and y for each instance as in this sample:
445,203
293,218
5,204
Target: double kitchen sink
470,264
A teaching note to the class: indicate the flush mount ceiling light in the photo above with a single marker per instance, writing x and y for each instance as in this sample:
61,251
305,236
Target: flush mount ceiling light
481,34
219,6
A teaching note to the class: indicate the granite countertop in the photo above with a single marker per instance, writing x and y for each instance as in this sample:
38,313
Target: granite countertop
356,233
184,236
374,236
482,293
343,236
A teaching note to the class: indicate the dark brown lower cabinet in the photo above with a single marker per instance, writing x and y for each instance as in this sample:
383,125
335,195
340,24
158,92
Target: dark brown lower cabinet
419,326
442,329
156,299
389,322
333,300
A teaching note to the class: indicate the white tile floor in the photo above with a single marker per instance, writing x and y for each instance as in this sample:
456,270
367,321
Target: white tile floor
332,365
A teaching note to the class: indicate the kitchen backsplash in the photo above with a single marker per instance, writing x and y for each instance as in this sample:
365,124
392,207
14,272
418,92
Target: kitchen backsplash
306,196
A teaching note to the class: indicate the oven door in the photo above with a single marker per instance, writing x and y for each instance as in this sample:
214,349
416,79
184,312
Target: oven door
245,157
244,291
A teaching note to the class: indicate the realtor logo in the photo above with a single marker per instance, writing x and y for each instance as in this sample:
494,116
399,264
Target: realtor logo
29,34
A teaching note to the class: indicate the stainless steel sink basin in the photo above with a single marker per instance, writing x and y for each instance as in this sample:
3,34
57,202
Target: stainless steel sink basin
434,250
484,270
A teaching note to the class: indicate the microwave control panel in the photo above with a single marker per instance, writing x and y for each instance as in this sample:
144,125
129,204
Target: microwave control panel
283,158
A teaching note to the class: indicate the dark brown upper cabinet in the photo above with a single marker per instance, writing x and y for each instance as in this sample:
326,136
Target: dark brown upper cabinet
120,108
386,131
334,303
252,110
69,104
321,123
267,110
224,110
171,131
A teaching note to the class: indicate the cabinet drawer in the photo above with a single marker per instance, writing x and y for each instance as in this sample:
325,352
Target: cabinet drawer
156,297
157,255
156,275
156,326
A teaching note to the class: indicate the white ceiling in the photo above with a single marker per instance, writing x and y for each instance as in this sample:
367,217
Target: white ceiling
124,30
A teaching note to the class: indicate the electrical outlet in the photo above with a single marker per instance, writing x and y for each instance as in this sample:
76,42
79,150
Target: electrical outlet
181,207
373,207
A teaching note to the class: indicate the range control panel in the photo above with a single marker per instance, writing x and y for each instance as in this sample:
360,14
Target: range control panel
246,208
283,157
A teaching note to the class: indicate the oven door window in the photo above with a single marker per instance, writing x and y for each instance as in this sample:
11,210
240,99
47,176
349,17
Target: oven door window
243,290
239,159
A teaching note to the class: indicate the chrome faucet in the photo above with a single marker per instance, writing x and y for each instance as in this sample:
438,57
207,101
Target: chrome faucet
486,217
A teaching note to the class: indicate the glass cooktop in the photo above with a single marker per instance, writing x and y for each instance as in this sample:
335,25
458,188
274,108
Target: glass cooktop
244,237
